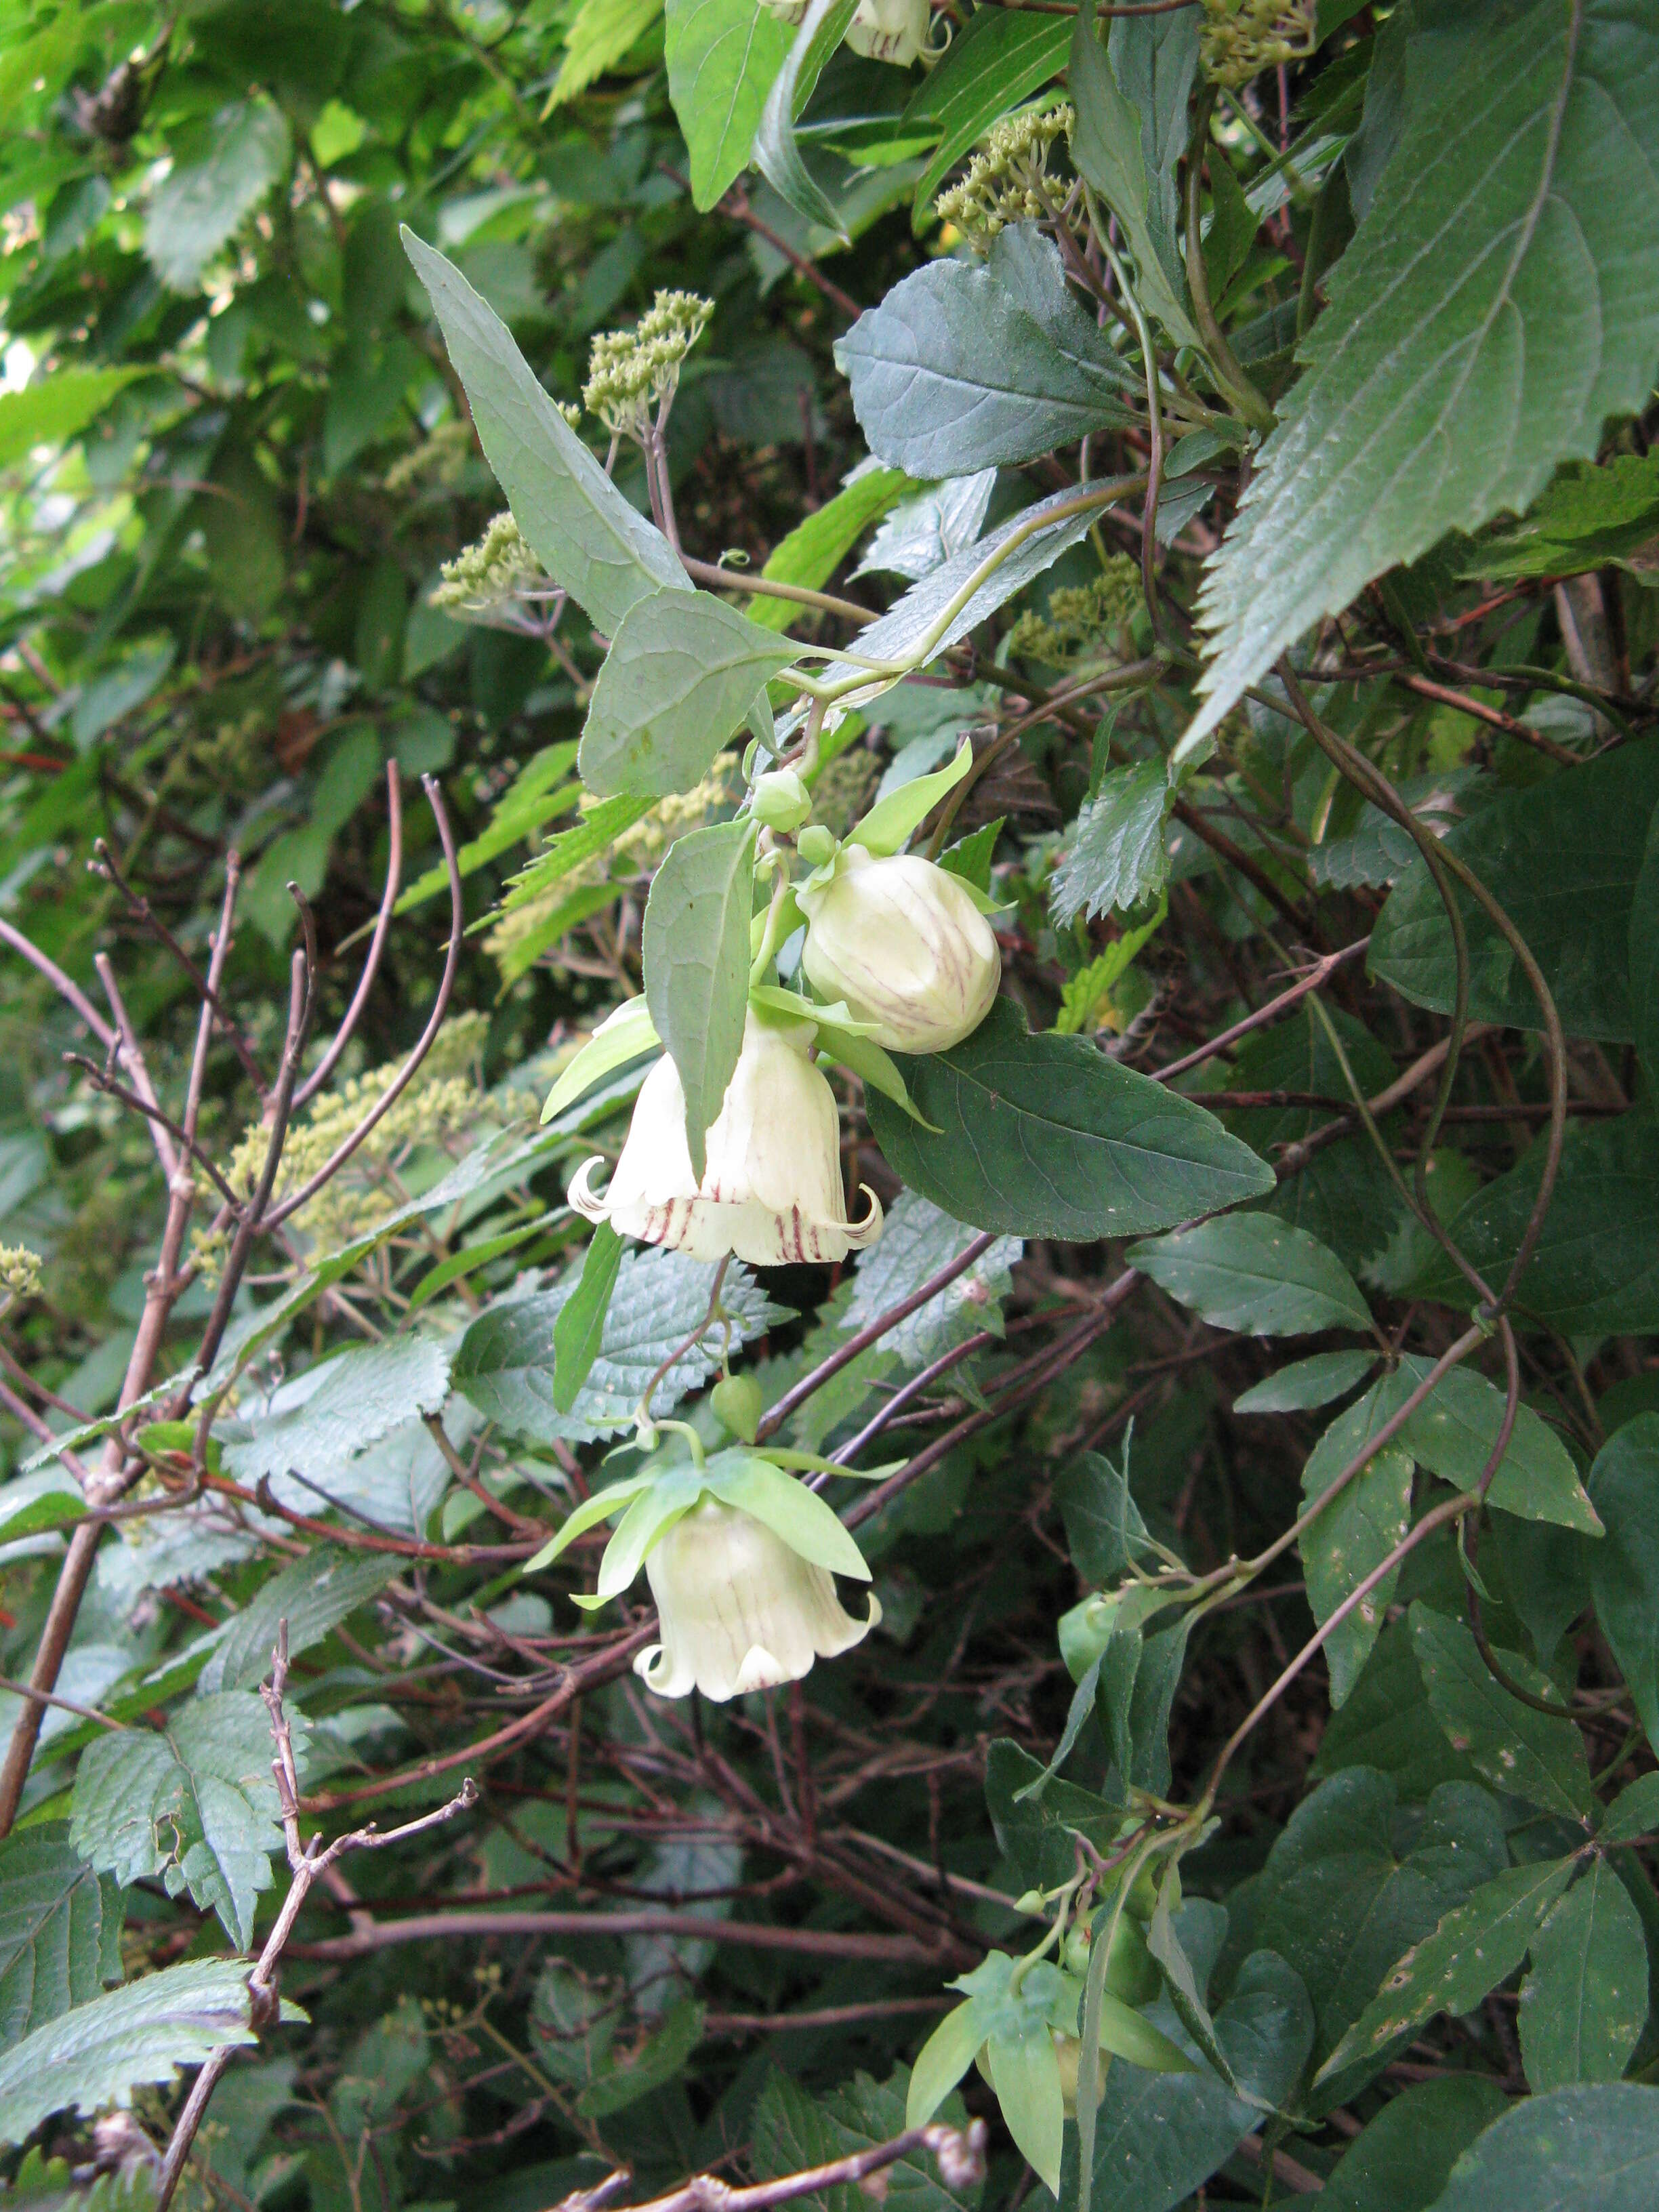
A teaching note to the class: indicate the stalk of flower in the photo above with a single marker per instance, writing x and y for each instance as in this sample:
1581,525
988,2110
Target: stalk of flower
739,1555
771,1191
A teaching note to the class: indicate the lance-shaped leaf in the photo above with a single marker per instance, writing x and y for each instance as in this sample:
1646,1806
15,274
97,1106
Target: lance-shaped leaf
1583,2004
722,56
1110,143
696,964
682,672
1498,303
622,1035
578,526
777,156
579,1328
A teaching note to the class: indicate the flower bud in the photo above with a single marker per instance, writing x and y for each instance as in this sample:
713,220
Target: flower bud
738,1403
781,800
903,942
771,1190
738,1609
1085,1631
815,845
890,30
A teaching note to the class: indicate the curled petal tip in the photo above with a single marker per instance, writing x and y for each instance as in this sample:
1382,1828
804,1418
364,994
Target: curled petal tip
582,1195
860,1233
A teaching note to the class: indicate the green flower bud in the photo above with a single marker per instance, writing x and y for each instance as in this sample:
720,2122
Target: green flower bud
738,1404
781,800
1085,1631
815,845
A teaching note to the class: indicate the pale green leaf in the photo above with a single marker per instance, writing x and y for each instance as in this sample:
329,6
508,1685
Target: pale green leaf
198,205
678,679
622,1035
696,947
60,1929
723,55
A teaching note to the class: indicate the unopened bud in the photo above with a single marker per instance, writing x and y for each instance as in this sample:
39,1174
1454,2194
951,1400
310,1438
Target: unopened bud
738,1404
817,845
903,943
781,800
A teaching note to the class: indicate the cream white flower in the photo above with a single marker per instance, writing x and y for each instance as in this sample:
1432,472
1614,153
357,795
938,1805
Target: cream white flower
739,1610
903,944
771,1189
890,30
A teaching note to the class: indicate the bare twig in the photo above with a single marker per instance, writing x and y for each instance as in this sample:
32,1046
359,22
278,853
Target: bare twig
394,870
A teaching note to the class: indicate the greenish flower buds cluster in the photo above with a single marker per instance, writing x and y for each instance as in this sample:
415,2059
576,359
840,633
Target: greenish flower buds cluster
630,372
485,576
1004,180
1080,614
20,1271
1238,39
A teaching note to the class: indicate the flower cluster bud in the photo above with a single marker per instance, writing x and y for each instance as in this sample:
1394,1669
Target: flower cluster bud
630,372
771,1189
482,578
902,942
738,1609
781,800
1005,179
20,1271
1239,38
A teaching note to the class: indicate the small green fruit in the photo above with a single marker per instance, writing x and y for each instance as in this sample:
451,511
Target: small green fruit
739,1405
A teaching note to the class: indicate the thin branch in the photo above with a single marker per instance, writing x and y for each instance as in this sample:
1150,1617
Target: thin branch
394,870
69,991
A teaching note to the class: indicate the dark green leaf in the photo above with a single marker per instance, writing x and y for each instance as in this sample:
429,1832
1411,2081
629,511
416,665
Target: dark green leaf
1104,1531
1043,1136
1252,1273
695,943
1399,2162
1034,1831
1644,956
1116,855
682,672
1593,2148
1454,1431
579,1328
1623,1486
1562,859
199,204
1388,1723
1587,518
312,1595
1354,1533
1529,1753
1429,406
1306,1383
1583,2003
1125,144
1634,1812
965,366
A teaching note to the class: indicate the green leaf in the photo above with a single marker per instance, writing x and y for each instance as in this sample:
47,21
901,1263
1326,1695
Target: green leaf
1105,1531
1399,2162
1563,858
1584,2001
775,154
1454,1432
889,826
696,942
1596,1265
1354,1534
1306,1383
195,1805
1471,1951
1355,1879
815,548
662,2060
312,1595
1035,1832
30,1504
967,366
991,64
1591,2148
471,1257
1116,855
1124,142
536,796
575,521
1251,1272
97,2055
1624,1485
1634,1812
60,1930
1643,948
682,672
579,1328
54,409
943,2060
1025,2074
1435,394
723,55
357,1397
199,204
624,1034
504,1363
1529,1753
786,1507
601,33
1388,1723
1043,1136
593,835
1587,518
866,2112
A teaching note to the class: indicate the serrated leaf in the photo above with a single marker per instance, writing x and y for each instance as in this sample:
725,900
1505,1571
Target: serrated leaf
601,33
1468,1955
993,62
1435,397
916,1241
1529,1753
574,521
1116,855
1585,2000
1591,2148
199,204
195,1804
677,683
1354,1534
964,366
1251,1272
1306,1383
696,946
97,2055
312,1595
723,56
1587,518
60,1929
1043,1136
329,1412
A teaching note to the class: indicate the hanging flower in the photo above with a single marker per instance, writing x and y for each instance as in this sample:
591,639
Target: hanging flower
771,1190
902,944
739,1609
890,30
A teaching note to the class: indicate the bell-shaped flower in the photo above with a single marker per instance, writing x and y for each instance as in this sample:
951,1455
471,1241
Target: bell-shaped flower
890,30
902,944
739,1609
771,1189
